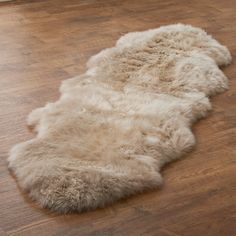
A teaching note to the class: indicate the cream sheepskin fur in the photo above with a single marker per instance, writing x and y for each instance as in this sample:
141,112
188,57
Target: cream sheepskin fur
115,126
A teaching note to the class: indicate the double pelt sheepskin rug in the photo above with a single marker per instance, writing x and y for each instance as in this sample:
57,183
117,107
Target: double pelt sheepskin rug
117,125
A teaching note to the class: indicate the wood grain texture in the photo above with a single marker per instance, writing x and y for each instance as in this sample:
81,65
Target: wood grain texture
44,42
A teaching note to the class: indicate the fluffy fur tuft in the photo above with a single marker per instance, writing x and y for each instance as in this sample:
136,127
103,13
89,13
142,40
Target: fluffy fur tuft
115,126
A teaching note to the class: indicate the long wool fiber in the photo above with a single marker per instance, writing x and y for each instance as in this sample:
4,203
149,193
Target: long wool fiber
115,126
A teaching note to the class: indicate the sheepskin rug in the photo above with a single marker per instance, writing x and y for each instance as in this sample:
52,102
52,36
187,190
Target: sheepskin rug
117,125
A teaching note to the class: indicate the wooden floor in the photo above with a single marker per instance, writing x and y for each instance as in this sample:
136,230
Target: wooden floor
43,42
